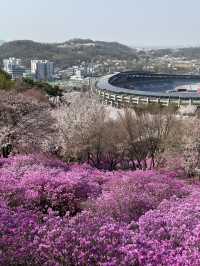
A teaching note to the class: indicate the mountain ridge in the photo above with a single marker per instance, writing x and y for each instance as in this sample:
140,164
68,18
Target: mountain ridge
66,53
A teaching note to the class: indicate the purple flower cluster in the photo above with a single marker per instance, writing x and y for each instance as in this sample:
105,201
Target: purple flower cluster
40,185
170,234
129,195
17,231
56,214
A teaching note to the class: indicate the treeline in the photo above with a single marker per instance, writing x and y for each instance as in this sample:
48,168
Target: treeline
86,131
25,85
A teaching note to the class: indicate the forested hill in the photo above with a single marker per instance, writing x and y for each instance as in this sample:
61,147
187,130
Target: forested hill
67,53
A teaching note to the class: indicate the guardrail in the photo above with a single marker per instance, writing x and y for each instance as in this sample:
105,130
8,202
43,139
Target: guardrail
122,100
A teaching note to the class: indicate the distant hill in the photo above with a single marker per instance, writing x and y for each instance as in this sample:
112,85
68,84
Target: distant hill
188,52
65,54
1,42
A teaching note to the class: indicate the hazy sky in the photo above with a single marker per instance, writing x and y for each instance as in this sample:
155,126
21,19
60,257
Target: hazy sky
133,22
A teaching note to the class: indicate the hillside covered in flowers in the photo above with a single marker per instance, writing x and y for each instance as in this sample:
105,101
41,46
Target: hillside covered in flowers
53,213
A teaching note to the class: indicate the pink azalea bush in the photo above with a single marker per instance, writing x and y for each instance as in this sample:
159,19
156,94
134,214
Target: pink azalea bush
129,195
40,185
17,231
56,214
85,240
170,235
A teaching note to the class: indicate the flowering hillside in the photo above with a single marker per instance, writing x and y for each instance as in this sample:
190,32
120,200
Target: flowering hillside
53,214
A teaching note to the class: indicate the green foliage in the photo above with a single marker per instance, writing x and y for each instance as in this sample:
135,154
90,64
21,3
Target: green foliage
5,81
29,81
25,84
52,91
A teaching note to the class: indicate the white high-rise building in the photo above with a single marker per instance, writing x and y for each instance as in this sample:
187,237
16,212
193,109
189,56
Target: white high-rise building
14,67
42,69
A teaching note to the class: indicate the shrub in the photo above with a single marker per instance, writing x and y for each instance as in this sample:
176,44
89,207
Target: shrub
17,232
57,214
85,240
170,235
26,182
130,195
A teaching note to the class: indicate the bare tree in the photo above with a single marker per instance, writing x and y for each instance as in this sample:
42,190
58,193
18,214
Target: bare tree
134,139
25,123
191,146
146,136
86,133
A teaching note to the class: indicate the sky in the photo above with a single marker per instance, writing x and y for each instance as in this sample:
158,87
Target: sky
145,23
